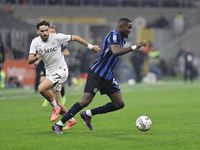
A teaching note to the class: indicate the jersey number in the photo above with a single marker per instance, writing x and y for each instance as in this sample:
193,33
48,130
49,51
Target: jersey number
56,76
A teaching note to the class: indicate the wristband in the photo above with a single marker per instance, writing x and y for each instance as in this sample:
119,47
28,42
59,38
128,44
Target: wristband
134,47
90,46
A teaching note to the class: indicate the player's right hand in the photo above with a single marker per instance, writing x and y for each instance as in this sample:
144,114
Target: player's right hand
38,55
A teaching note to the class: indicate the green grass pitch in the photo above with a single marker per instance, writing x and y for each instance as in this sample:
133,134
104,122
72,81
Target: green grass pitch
173,106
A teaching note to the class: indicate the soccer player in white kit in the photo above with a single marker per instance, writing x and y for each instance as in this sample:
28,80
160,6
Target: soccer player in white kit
48,47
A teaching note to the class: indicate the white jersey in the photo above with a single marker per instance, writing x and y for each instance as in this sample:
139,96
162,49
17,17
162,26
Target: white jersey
51,50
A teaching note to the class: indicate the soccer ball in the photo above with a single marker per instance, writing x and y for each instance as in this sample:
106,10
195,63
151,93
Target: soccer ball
143,123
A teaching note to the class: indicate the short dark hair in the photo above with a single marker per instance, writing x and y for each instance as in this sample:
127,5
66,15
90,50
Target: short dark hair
41,23
124,20
53,27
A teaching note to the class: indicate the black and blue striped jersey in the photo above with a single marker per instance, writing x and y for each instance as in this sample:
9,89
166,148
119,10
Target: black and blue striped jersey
107,61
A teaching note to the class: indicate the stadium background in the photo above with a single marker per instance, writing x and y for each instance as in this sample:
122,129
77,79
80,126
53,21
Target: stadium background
92,20
173,105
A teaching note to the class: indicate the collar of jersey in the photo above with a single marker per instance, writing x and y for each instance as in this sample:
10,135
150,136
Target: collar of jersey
118,33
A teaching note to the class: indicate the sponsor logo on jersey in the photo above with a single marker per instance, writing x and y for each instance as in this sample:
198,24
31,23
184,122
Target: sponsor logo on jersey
48,50
40,50
114,38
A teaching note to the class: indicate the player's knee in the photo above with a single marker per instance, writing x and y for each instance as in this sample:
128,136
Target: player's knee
41,89
120,105
84,102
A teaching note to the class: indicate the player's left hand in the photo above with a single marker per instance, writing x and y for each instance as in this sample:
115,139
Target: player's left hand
96,48
142,43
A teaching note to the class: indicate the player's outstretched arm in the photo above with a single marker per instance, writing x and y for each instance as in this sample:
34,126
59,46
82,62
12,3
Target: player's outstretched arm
95,48
117,50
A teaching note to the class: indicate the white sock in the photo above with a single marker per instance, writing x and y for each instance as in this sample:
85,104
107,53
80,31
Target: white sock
54,104
60,123
72,119
89,113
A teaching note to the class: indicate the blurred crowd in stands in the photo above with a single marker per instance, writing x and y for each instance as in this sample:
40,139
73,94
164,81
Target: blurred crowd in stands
149,67
14,53
110,3
142,61
7,53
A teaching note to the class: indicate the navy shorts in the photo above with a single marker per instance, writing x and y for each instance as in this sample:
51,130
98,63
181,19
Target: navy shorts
96,83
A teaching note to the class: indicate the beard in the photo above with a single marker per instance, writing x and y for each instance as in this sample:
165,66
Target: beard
44,38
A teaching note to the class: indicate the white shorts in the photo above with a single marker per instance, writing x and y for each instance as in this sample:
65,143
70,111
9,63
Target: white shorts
57,78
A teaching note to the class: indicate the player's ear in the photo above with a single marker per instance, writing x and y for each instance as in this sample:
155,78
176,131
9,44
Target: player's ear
38,32
121,25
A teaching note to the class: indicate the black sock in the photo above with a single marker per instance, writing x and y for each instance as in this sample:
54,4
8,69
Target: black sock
62,91
72,112
103,109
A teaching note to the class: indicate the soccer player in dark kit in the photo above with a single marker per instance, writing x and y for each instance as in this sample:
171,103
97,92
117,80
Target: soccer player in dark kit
100,77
